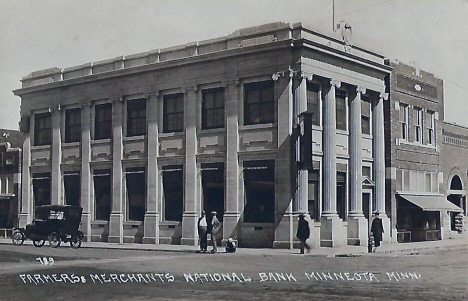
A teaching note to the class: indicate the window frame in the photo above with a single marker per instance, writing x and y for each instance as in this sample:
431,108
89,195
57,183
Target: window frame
262,102
43,129
342,95
430,126
130,206
418,122
216,110
316,115
172,126
72,131
404,130
103,128
136,125
366,101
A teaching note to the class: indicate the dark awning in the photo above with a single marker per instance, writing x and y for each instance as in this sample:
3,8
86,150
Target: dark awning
431,202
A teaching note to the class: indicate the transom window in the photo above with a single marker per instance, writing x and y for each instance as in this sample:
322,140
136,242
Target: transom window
173,120
213,109
43,129
103,121
73,125
136,117
259,105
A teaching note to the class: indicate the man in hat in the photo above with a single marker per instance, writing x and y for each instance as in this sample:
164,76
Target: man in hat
215,225
303,233
377,230
202,232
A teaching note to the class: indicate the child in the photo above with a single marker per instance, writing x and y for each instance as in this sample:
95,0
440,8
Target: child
230,246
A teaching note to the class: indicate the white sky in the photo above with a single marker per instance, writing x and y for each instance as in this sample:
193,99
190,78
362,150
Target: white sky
41,34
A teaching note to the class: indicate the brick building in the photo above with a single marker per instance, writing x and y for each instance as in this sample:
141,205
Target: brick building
145,142
10,180
416,196
455,169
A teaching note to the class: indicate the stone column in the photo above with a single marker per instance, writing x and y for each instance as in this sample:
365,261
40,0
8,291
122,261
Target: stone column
117,214
26,187
302,175
56,154
284,235
151,224
331,231
191,199
86,177
233,208
379,161
357,225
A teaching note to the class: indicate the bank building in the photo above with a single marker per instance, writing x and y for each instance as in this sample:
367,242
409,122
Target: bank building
259,126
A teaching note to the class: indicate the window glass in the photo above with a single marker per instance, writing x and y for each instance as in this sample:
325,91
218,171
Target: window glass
341,110
173,119
259,183
102,194
103,121
213,188
136,193
259,104
43,129
173,189
313,103
365,116
136,117
72,188
41,188
213,109
72,125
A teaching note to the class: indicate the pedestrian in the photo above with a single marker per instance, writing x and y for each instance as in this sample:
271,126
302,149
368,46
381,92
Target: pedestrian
303,233
231,246
202,232
215,225
377,230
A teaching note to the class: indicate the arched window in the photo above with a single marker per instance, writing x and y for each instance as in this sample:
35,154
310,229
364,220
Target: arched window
456,183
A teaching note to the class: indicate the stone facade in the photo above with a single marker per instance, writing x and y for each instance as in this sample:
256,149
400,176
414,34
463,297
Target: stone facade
266,77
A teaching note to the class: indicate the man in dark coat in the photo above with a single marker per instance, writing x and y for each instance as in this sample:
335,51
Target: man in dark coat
303,233
377,230
202,232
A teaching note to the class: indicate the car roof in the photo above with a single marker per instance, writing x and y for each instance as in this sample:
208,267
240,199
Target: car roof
57,207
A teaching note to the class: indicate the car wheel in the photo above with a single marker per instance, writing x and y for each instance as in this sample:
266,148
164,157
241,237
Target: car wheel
75,242
54,240
39,243
17,238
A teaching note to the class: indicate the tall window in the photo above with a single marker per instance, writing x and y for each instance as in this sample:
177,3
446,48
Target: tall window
136,193
313,191
366,116
43,129
259,104
417,118
103,121
72,188
136,117
313,102
340,110
259,183
213,109
430,124
102,194
41,188
404,121
173,120
73,125
341,194
213,188
173,187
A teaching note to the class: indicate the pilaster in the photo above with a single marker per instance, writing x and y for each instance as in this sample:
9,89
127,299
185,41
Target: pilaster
117,214
191,199
283,164
86,192
379,162
26,187
357,224
233,208
151,223
56,177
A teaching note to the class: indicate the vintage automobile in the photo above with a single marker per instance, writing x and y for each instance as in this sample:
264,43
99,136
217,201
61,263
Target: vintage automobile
55,223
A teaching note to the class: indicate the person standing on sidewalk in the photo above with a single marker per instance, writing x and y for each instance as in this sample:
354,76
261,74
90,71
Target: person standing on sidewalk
377,230
215,225
202,232
303,233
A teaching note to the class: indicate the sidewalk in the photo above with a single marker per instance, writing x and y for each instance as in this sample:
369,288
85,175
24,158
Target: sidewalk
345,251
